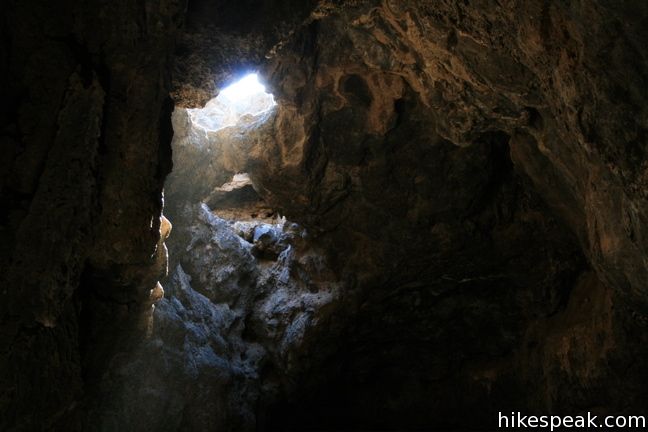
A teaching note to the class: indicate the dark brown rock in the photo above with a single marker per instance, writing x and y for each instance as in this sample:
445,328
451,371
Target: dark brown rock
86,134
468,183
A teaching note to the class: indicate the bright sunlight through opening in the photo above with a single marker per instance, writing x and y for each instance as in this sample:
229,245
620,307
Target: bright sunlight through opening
245,88
244,97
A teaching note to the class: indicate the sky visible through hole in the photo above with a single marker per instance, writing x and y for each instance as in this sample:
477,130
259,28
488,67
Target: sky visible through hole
244,97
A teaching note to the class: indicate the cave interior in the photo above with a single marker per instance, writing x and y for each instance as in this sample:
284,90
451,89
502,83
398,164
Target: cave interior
317,215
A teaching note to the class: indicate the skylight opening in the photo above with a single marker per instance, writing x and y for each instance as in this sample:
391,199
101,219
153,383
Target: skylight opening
244,97
247,87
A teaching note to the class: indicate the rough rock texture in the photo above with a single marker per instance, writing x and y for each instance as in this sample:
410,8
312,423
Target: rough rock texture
472,176
477,173
245,294
526,72
85,136
206,160
394,135
222,40
229,315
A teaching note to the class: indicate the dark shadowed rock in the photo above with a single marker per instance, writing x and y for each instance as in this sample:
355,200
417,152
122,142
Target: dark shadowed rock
443,217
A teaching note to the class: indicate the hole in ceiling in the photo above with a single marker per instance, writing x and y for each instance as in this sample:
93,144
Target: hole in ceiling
246,97
210,187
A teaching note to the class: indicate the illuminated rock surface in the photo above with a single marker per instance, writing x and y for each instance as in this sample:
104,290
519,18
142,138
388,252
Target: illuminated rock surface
246,97
464,186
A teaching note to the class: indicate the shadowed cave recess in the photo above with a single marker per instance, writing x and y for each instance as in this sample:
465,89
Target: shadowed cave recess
436,212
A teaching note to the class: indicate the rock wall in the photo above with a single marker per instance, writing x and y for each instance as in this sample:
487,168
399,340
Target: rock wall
471,176
244,296
465,167
85,131
392,138
228,317
559,87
